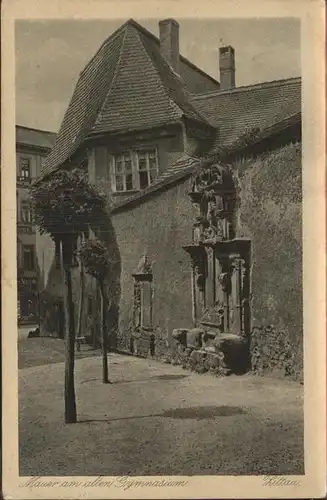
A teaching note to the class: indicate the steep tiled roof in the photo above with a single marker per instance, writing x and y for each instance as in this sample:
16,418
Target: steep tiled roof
235,111
26,136
130,104
92,87
126,86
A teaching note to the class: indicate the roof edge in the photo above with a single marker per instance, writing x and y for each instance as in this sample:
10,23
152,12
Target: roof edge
147,33
92,136
110,37
114,77
36,129
166,182
182,58
153,190
26,145
235,90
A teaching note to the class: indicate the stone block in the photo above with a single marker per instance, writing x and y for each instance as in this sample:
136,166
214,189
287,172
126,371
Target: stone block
194,338
208,339
180,350
227,340
215,360
210,348
179,334
208,335
187,352
198,356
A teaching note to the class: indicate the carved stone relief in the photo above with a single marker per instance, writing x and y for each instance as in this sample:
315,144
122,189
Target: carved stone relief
219,274
143,295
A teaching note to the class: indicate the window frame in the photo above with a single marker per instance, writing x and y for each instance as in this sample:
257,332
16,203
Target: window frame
22,175
134,171
147,152
123,173
25,207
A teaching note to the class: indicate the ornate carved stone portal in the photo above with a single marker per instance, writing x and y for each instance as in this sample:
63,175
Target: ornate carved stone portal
220,262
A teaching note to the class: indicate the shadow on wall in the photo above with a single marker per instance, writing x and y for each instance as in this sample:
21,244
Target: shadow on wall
107,235
52,319
51,300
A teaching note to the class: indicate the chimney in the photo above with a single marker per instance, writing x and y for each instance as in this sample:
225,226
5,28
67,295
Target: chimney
227,67
169,42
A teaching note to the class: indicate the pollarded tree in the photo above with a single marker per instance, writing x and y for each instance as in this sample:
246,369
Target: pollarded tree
65,206
96,259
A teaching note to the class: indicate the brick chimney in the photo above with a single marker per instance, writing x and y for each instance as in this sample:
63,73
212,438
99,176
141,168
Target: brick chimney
227,67
169,42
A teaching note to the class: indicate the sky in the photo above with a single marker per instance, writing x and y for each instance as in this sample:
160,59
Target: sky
50,55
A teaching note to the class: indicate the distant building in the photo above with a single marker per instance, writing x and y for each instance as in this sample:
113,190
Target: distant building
31,147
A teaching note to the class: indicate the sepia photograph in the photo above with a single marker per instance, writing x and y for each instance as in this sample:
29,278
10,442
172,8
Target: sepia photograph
160,259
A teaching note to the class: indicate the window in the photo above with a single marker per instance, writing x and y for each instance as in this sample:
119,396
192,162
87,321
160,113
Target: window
123,172
25,168
134,170
29,257
147,166
26,212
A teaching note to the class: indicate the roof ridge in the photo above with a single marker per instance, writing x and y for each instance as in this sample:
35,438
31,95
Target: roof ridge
167,88
113,78
158,74
151,35
245,88
108,39
157,40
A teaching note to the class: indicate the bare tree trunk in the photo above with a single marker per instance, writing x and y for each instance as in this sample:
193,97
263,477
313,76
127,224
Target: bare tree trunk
104,339
70,399
95,321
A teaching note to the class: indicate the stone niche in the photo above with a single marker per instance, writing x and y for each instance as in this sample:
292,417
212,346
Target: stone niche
220,277
142,335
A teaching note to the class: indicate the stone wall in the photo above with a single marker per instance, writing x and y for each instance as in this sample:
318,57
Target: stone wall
197,82
270,213
159,227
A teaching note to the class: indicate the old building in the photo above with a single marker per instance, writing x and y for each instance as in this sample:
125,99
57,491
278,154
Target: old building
205,184
31,147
